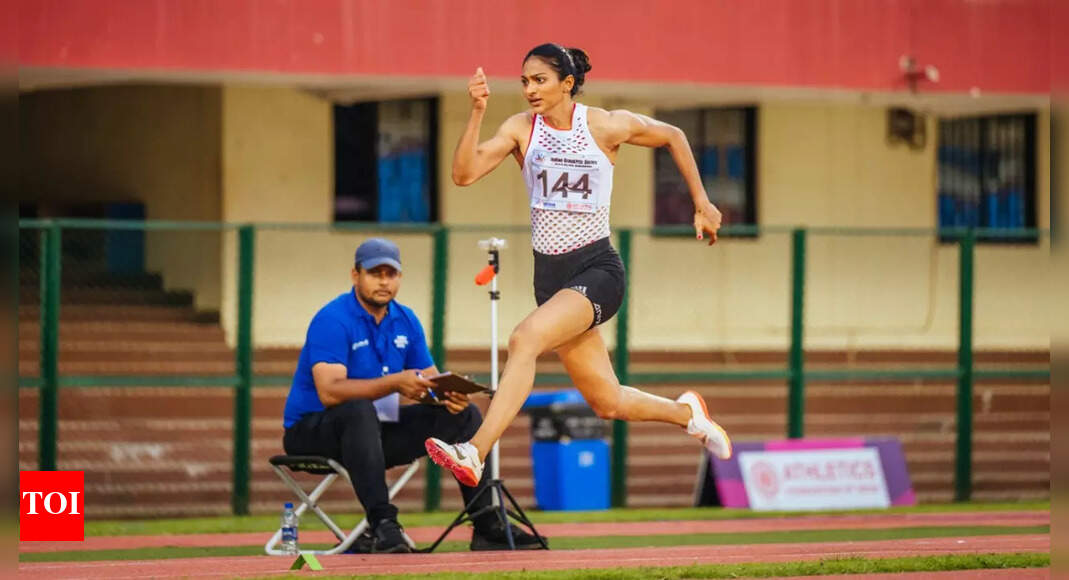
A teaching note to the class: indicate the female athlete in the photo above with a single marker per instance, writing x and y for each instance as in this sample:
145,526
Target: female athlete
566,153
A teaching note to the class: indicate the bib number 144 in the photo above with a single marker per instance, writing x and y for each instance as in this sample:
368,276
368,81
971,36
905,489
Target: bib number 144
561,185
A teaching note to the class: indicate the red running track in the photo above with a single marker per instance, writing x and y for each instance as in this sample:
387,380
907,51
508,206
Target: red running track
992,574
537,560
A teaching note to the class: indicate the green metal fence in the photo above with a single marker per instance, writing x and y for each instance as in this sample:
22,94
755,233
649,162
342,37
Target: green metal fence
50,235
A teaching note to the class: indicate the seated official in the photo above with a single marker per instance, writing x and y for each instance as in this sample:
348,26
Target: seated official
363,351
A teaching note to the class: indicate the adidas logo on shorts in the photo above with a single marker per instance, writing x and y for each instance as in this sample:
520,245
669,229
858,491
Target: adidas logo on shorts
579,289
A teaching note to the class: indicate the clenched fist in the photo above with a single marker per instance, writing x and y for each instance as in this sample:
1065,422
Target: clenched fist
478,90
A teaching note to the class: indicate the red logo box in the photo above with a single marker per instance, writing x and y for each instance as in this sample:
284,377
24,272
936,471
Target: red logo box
51,506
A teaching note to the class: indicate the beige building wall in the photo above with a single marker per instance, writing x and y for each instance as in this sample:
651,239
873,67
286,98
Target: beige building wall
158,145
818,165
828,165
278,167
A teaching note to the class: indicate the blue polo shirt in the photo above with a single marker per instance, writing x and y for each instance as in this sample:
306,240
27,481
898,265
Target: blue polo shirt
342,332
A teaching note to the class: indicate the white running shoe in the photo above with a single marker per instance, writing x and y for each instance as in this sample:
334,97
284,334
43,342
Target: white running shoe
703,428
462,459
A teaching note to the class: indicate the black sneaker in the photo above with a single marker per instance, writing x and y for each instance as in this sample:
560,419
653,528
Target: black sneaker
494,538
390,538
363,544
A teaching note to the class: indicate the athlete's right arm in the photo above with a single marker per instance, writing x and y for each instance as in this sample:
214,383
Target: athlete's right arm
472,159
333,386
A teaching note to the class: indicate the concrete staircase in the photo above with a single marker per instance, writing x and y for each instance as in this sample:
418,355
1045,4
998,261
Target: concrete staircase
166,451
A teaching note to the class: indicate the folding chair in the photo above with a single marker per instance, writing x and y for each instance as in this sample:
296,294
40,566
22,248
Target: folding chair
285,465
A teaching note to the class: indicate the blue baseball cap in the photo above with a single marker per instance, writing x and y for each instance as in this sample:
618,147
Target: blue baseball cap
376,252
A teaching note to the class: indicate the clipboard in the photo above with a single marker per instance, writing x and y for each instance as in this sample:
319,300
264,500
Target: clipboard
449,382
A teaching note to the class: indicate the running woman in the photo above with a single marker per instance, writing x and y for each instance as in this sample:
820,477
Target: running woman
566,153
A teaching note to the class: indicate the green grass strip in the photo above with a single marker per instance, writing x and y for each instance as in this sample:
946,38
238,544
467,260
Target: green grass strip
583,542
238,524
162,553
755,570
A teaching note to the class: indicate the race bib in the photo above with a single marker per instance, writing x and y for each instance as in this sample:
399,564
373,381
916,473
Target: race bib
564,181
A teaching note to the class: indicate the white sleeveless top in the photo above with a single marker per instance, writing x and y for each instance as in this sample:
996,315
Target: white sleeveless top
569,182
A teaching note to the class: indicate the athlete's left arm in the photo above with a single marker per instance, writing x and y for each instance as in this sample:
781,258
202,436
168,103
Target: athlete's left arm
636,129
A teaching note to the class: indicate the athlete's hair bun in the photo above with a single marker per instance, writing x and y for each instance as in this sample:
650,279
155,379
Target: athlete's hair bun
582,66
566,61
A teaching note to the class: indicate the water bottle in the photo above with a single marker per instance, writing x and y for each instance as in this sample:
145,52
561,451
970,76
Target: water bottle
289,530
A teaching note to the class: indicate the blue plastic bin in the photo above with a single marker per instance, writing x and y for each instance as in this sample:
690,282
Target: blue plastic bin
569,452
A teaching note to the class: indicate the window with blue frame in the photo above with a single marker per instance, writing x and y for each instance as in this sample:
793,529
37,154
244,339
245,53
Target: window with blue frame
385,161
724,143
987,173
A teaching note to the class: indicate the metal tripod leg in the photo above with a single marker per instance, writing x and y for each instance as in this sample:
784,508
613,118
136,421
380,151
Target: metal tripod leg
466,515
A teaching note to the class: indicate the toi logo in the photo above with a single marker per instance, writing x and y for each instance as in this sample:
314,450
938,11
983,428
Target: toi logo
51,506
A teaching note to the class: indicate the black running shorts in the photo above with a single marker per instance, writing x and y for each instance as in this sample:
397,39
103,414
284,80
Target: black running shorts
595,271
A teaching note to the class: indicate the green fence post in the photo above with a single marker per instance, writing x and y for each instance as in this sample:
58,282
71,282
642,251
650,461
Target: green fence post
432,492
51,259
963,449
243,365
622,360
796,392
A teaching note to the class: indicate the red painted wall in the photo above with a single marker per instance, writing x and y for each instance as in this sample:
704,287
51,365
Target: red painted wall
996,45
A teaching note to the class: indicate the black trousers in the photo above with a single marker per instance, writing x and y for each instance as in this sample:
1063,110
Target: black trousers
352,434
